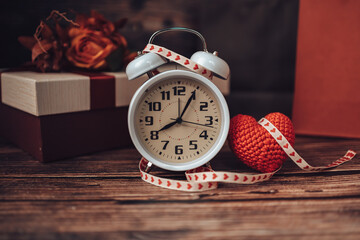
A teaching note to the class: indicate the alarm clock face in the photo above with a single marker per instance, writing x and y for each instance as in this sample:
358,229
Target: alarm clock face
178,120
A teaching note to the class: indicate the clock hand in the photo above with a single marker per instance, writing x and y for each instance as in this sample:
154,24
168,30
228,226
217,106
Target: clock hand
194,123
188,103
178,120
168,125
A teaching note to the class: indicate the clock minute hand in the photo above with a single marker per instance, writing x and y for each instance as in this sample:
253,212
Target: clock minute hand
188,103
205,125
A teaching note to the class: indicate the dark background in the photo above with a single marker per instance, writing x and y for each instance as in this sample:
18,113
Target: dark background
256,37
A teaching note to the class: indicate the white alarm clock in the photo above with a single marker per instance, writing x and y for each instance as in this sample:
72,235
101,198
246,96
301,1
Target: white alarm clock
178,119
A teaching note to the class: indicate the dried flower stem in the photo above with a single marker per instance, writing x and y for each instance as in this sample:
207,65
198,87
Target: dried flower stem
62,15
41,26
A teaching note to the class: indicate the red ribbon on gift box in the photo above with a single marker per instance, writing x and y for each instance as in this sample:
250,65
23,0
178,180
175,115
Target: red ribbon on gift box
102,90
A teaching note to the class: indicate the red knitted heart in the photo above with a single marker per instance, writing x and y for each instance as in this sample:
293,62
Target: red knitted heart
254,146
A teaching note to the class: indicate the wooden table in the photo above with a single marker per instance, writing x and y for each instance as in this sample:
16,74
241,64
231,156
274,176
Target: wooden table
101,196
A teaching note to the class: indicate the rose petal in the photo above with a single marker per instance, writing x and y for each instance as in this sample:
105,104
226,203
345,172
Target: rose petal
46,31
27,41
37,49
120,23
89,48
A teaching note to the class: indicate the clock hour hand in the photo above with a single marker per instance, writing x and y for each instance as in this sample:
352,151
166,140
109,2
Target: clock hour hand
188,103
205,125
168,126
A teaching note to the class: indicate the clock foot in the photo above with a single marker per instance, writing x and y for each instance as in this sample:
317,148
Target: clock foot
208,165
148,167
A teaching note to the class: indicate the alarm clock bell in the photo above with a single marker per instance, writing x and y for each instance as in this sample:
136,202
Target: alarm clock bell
144,63
212,62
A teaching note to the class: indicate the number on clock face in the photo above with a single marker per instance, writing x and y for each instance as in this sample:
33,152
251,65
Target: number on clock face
178,120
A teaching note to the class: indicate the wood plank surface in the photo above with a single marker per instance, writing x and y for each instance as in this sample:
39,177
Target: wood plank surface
183,220
101,196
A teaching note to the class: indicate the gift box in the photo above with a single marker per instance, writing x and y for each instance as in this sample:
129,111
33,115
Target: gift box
327,99
60,115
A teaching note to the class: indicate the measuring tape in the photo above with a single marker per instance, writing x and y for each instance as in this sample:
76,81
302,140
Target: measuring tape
175,57
205,178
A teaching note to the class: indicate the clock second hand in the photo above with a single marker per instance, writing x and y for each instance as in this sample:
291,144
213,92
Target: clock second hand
194,123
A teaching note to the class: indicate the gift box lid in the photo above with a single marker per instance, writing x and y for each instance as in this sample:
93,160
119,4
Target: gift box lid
54,93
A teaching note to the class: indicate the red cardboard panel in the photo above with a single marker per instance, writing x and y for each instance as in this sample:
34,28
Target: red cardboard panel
327,81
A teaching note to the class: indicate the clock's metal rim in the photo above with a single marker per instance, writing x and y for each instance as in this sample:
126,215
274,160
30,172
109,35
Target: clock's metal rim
213,150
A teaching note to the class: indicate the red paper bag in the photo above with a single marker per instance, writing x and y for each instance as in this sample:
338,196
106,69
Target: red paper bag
327,81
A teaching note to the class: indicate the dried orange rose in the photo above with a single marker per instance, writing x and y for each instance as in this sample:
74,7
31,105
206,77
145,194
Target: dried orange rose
90,42
89,48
